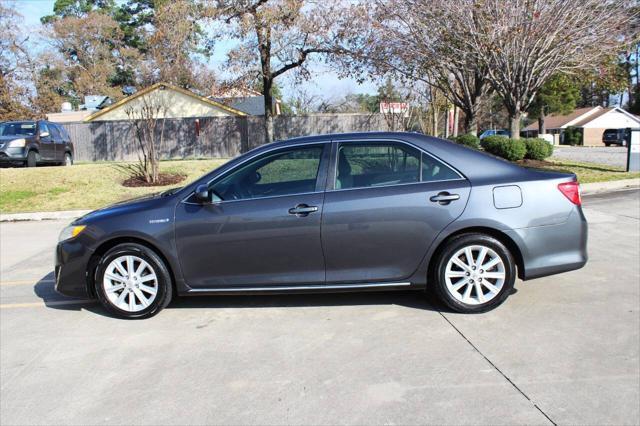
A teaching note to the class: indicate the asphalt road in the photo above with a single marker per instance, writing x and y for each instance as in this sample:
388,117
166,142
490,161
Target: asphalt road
610,156
561,350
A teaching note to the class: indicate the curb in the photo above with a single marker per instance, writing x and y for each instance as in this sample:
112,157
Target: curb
615,185
36,216
586,189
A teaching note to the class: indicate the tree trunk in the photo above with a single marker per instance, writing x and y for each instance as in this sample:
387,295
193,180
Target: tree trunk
456,119
471,120
268,109
514,124
541,126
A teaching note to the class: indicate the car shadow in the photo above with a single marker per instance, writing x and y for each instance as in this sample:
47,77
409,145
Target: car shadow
44,289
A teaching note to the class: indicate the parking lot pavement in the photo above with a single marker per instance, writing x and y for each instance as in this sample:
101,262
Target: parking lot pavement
561,350
610,156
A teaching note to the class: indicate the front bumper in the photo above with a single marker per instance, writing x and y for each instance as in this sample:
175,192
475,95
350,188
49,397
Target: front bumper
13,155
72,260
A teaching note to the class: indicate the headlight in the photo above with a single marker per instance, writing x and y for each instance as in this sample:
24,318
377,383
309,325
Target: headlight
71,232
17,143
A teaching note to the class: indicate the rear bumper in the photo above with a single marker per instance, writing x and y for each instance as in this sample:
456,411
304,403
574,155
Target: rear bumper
549,250
72,259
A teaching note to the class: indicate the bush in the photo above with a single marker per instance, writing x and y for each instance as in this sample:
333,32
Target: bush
469,140
509,149
538,149
572,136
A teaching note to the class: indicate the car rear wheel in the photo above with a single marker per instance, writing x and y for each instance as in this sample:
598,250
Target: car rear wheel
474,273
132,281
68,159
32,159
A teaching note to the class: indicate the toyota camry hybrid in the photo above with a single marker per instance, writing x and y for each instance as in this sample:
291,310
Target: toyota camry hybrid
332,213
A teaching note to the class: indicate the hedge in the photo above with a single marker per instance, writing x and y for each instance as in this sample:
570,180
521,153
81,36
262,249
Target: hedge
509,149
469,140
538,149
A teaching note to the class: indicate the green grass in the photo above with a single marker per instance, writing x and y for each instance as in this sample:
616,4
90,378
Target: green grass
82,186
590,172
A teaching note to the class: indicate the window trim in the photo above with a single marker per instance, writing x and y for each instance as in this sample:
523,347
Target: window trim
321,178
331,186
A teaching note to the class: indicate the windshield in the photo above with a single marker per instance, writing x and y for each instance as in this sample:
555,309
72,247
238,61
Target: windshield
25,128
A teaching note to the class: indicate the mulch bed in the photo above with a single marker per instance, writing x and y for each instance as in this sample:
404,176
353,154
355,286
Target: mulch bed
536,163
164,179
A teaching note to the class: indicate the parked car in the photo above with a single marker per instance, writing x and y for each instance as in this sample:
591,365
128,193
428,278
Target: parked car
496,132
333,213
614,137
31,143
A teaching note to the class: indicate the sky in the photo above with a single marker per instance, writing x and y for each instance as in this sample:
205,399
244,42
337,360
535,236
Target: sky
324,83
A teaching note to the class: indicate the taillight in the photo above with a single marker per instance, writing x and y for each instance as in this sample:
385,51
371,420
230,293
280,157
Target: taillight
571,190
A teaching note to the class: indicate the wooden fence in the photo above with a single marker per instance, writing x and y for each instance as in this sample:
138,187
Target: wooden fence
217,137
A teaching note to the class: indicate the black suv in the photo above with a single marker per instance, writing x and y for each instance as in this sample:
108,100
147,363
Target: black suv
33,142
614,137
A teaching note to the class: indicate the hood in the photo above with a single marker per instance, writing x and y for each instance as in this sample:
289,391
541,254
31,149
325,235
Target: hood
14,137
141,203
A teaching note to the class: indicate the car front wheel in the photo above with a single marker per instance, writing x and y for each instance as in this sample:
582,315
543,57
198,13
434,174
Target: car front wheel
474,273
68,160
132,281
32,159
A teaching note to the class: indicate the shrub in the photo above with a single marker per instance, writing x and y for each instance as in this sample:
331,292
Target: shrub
509,149
538,149
469,140
573,136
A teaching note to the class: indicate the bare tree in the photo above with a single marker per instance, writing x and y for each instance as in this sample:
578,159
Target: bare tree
276,36
521,43
147,117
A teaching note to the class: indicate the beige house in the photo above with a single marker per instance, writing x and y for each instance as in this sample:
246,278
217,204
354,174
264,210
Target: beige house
592,120
175,101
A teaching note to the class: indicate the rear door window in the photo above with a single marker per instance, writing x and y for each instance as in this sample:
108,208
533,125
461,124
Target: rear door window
362,165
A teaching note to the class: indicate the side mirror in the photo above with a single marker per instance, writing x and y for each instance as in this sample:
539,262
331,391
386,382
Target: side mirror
202,194
44,134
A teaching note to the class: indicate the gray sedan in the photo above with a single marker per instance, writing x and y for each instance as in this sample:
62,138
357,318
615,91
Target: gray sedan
345,212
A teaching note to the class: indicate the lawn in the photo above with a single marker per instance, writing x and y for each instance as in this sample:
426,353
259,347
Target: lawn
82,186
94,185
589,172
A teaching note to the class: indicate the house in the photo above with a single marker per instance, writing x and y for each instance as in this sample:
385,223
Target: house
176,102
249,101
592,120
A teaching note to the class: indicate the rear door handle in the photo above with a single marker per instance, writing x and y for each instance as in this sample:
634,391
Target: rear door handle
444,198
303,210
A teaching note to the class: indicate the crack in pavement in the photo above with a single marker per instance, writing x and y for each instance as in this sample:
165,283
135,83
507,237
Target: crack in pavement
498,370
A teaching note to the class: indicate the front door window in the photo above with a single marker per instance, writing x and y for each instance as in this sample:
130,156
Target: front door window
286,172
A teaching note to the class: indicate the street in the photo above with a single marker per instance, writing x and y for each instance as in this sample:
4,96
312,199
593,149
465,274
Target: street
561,350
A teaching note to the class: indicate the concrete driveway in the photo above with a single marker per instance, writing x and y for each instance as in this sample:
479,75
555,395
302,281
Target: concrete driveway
609,156
561,350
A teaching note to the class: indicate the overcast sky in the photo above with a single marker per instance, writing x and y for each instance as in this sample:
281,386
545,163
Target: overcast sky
324,83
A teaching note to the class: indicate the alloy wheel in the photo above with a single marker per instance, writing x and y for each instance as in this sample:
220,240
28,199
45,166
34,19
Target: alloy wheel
475,274
130,283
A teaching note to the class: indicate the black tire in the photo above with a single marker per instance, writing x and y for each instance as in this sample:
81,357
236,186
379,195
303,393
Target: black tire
607,144
164,282
32,159
438,280
68,160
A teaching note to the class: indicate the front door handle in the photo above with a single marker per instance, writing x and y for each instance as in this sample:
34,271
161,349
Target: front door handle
303,210
444,198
